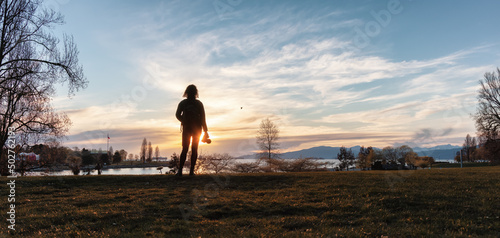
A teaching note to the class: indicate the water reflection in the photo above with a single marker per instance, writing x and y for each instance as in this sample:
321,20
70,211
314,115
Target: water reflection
115,171
146,171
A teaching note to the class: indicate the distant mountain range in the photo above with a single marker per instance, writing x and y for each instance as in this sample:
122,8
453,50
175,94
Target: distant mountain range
441,152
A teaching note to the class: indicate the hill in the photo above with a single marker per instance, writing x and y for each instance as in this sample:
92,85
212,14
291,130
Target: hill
441,152
325,152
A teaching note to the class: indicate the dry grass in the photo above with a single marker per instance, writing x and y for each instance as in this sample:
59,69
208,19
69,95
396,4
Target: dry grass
437,202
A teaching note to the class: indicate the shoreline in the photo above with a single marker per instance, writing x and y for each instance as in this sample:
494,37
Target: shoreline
119,166
113,166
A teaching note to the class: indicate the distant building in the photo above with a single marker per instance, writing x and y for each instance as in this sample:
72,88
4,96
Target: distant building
28,157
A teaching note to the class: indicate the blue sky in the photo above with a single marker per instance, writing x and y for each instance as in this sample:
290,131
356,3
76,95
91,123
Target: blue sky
373,73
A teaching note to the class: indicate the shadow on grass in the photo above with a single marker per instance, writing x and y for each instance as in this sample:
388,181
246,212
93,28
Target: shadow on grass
449,202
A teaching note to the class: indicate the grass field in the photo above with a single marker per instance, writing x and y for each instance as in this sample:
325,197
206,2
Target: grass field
437,202
457,165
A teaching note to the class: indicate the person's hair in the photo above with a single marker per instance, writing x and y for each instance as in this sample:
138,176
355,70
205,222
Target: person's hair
191,92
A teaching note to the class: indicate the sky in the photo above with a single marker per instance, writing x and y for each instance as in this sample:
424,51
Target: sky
328,73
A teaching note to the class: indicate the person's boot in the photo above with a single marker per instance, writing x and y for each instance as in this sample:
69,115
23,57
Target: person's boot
193,164
179,173
181,166
191,171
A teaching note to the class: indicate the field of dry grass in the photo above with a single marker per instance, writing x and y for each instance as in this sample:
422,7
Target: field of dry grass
437,202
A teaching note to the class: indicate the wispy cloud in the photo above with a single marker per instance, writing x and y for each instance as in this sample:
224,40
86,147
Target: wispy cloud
314,74
291,64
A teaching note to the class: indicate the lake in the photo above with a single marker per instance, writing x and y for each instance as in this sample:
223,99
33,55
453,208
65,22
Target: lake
139,171
148,170
117,171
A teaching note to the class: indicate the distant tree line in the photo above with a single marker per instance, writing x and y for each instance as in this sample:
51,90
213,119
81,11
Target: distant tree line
93,159
146,152
388,158
52,155
478,150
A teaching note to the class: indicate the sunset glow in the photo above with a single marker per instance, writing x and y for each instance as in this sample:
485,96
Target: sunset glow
328,73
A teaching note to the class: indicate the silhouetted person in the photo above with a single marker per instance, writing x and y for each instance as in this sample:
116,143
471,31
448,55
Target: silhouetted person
191,114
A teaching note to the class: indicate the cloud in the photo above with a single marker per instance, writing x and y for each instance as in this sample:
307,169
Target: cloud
314,74
293,143
128,139
427,137
292,65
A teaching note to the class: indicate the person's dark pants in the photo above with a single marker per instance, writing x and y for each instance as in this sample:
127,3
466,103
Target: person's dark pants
189,136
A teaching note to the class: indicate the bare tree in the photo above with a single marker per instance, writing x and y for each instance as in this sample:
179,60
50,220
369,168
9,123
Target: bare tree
488,116
144,148
246,167
303,165
412,159
267,138
150,152
174,163
488,110
365,157
390,154
157,153
123,154
216,163
31,63
110,152
402,152
468,148
346,158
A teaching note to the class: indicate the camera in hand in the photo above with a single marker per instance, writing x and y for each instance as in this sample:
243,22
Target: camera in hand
206,139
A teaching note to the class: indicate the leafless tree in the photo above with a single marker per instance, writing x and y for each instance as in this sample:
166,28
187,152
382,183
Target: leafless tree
365,158
32,61
252,167
346,158
488,110
390,154
267,138
110,152
488,116
157,153
216,163
402,152
468,148
123,154
144,149
150,152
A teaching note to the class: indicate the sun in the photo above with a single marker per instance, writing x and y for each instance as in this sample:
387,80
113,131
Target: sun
211,136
